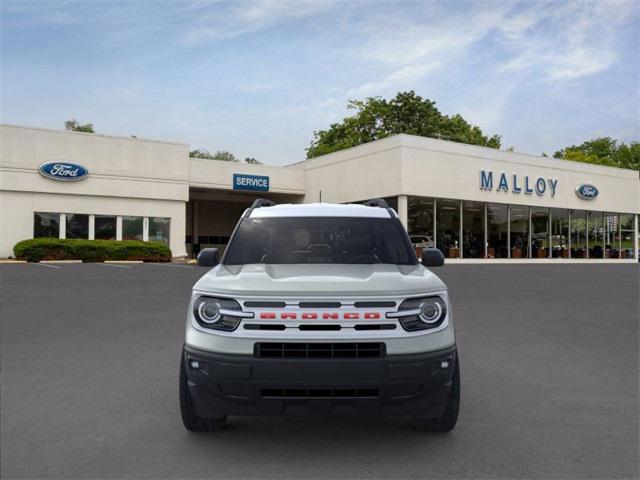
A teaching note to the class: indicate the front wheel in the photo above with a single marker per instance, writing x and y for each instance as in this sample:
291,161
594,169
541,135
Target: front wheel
448,420
190,418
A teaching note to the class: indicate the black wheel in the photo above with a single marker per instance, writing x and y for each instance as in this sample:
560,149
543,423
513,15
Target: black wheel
190,418
448,420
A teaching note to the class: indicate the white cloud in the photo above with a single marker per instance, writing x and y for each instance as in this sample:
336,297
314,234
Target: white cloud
565,41
403,78
251,16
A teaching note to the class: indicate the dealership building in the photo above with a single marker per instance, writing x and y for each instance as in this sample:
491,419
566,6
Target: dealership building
470,202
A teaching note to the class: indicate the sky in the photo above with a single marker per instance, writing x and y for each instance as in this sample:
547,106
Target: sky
258,77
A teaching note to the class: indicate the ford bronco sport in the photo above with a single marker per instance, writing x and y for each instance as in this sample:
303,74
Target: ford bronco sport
319,309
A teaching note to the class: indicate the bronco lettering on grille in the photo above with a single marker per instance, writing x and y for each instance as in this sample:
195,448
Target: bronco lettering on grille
324,316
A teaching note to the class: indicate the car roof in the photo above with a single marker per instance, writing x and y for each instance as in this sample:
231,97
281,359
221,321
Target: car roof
322,210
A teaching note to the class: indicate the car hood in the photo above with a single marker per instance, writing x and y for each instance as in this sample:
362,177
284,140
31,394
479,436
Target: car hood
319,280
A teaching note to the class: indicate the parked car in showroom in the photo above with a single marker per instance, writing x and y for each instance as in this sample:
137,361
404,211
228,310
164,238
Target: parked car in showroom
319,309
422,241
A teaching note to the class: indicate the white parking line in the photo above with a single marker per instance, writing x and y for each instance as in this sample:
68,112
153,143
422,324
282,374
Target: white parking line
171,265
47,265
113,265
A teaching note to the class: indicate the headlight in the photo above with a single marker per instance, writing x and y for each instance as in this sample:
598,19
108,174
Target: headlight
421,313
218,313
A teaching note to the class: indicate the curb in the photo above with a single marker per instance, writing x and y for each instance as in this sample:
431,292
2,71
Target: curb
60,261
123,261
11,262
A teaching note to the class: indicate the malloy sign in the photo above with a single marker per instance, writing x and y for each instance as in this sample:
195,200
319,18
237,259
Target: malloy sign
518,183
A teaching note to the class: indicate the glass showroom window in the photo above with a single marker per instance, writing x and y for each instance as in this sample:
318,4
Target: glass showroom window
46,225
472,230
559,233
159,229
132,228
519,241
611,235
77,226
420,221
627,233
596,234
448,227
539,232
497,230
578,234
105,227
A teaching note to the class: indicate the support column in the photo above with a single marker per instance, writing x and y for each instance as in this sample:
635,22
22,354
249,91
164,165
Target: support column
586,234
509,231
63,226
570,232
194,220
145,229
486,234
403,210
435,223
635,237
92,227
118,228
530,252
461,231
549,236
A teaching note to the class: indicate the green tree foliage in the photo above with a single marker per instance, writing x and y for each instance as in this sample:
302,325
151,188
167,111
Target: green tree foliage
74,126
252,161
604,151
219,155
377,118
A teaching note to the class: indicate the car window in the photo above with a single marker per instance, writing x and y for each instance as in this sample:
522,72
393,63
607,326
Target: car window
343,240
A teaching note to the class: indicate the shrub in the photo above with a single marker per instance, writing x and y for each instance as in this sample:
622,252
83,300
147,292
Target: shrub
36,249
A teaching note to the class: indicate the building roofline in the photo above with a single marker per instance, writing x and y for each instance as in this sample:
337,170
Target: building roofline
102,135
448,146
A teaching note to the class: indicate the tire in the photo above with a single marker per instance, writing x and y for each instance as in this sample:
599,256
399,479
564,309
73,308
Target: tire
190,418
448,420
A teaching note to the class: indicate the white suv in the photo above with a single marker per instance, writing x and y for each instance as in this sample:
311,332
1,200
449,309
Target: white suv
319,309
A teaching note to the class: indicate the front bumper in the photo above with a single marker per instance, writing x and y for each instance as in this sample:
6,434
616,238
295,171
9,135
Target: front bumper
225,384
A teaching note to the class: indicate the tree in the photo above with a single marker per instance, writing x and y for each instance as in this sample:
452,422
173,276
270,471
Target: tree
377,118
219,155
603,151
74,126
252,161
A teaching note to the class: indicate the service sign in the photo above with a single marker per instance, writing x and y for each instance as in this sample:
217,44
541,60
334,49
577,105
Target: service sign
254,183
586,191
63,171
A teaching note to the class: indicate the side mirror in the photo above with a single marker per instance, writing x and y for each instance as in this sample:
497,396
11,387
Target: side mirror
432,257
208,257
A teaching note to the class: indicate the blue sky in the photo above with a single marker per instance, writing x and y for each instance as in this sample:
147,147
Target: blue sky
258,77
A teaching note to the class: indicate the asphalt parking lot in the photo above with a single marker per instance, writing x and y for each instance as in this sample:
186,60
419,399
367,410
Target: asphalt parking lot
89,380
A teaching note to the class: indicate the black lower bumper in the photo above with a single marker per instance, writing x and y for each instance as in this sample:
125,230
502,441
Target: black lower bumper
222,384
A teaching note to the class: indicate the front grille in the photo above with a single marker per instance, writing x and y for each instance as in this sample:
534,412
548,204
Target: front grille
264,326
312,393
320,350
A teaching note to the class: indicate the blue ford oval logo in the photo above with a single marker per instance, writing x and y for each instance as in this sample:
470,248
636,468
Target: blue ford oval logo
64,171
586,191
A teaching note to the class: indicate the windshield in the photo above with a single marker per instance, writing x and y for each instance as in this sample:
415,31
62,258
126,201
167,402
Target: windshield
303,240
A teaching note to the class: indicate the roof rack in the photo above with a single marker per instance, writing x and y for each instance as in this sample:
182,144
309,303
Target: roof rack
258,203
379,202
262,202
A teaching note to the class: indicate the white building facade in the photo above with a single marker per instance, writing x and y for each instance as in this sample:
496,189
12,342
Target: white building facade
470,202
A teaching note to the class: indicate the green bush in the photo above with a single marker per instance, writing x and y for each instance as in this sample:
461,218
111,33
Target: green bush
36,249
